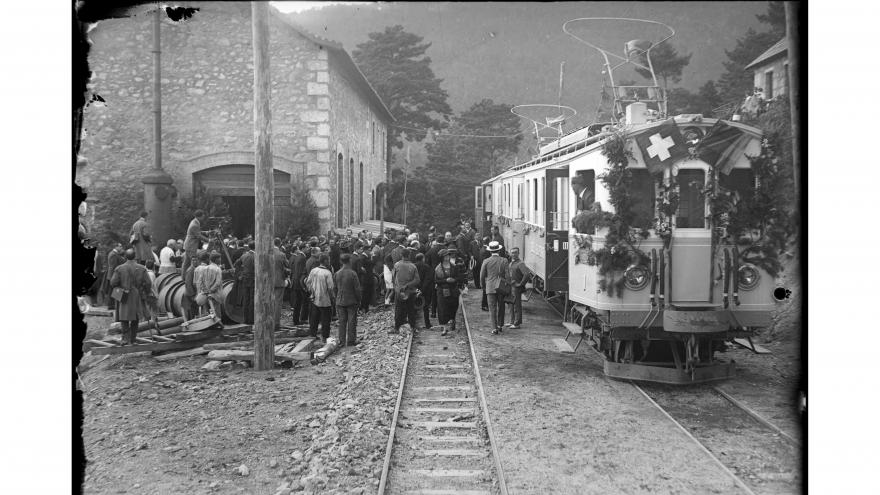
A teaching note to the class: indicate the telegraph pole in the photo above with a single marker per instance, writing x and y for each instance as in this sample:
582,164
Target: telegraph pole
791,37
264,192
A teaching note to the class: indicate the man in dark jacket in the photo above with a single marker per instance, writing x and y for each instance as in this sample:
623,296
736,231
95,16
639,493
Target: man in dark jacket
405,278
245,275
282,269
299,300
348,297
426,275
397,252
133,278
335,252
433,258
368,288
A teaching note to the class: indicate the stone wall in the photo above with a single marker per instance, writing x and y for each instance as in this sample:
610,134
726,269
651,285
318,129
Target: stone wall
353,124
207,105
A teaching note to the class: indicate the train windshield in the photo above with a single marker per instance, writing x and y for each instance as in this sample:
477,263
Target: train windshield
691,212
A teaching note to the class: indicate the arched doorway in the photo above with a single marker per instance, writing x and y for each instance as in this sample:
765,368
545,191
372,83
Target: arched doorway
234,184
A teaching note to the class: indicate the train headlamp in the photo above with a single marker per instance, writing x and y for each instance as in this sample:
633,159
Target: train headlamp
749,276
636,277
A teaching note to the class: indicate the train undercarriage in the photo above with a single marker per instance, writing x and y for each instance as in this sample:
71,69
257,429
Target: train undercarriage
686,355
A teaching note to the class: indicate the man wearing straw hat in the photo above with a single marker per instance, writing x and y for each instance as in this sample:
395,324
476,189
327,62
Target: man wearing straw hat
493,274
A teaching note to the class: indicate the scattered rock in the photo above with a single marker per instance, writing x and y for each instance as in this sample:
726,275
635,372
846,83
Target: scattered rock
296,455
243,470
273,463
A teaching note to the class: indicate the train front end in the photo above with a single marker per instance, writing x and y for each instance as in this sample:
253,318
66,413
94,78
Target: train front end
660,288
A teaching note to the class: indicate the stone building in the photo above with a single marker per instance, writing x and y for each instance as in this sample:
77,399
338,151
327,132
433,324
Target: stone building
329,125
770,70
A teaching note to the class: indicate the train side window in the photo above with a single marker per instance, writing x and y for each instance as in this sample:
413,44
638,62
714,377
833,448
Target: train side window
741,180
586,196
478,197
691,212
643,198
541,214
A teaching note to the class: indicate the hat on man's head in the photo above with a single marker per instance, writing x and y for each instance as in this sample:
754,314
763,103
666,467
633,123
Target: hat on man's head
494,247
451,250
415,245
443,252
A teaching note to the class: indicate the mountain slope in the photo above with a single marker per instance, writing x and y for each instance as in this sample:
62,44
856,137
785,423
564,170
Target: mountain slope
511,51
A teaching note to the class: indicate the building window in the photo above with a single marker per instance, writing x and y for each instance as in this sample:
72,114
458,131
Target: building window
339,185
351,190
373,140
768,85
361,193
787,87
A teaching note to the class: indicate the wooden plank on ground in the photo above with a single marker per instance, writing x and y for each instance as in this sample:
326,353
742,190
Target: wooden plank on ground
182,354
100,343
304,345
240,355
563,346
223,346
158,346
748,345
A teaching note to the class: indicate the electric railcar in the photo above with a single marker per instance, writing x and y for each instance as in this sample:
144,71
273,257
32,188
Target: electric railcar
687,295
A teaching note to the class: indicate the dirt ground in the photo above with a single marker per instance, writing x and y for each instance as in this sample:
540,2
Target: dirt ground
563,427
154,427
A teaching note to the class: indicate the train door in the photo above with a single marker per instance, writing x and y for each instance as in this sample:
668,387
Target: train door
556,239
690,279
479,207
485,223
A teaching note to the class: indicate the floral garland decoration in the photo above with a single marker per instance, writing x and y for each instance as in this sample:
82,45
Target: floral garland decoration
620,249
666,204
757,222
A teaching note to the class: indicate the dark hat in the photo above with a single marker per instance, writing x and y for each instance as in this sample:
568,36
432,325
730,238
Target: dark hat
443,252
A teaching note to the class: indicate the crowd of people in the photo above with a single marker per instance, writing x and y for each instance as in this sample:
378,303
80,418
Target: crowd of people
322,277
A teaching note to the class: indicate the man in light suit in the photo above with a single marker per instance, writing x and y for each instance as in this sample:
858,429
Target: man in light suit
141,240
493,271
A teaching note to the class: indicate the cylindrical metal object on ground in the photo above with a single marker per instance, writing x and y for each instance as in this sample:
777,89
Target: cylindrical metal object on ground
230,310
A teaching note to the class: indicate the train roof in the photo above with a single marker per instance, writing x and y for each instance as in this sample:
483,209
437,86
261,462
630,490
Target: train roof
579,139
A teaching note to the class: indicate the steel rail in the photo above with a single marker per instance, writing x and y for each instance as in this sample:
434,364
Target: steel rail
502,485
702,447
387,464
757,417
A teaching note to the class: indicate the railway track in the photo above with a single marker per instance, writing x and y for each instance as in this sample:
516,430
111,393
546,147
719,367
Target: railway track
441,440
759,456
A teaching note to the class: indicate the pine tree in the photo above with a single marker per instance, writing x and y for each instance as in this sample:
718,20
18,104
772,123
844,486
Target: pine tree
667,63
394,62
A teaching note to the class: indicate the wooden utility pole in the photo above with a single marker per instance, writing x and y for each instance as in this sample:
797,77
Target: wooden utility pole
264,191
791,37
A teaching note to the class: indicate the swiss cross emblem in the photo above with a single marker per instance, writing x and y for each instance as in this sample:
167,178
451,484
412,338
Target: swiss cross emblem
661,146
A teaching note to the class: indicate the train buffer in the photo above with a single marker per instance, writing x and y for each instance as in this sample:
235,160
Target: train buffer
574,329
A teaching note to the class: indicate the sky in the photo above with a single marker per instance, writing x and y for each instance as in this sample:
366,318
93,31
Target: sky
301,6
